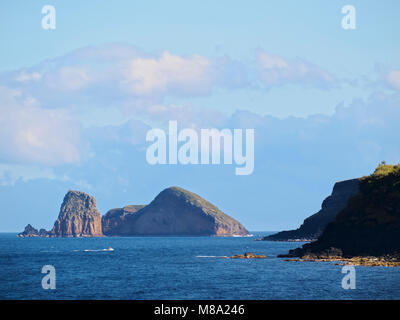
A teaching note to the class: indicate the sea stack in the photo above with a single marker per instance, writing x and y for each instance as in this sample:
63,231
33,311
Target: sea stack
175,211
78,217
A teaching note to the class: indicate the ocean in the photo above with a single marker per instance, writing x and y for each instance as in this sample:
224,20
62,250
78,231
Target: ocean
177,268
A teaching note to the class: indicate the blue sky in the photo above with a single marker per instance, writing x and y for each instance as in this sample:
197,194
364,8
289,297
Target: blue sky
306,29
76,101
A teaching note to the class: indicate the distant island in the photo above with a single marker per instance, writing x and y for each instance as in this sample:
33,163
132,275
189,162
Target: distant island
367,230
175,211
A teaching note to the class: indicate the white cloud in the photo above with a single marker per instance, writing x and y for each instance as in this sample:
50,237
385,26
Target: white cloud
116,75
31,134
275,71
68,78
393,78
28,76
170,73
185,113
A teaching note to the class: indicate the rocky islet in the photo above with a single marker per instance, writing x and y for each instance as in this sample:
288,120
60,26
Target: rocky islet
175,211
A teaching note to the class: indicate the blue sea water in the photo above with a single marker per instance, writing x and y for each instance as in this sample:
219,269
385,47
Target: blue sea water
177,268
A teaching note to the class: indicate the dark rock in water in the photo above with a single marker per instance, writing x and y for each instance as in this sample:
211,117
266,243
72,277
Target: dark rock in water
327,253
43,233
29,232
248,255
78,217
114,222
176,211
313,226
32,232
369,225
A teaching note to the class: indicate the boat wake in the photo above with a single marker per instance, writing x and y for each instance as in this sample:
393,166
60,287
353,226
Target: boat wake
98,250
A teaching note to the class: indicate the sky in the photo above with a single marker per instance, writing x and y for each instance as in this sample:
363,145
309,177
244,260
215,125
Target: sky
77,101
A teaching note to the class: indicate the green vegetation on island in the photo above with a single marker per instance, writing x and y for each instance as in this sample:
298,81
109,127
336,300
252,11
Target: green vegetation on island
368,226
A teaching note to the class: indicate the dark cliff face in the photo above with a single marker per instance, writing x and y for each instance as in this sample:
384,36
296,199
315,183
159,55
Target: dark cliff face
78,217
369,224
176,211
314,225
114,222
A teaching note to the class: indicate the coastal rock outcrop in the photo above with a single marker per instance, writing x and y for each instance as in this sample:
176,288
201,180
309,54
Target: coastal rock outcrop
176,211
249,255
314,225
368,226
78,217
30,231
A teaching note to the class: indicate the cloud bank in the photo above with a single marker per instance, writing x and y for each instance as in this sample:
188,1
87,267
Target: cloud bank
32,134
277,71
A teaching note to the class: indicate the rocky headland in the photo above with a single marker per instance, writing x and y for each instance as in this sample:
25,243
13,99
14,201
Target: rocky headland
313,226
367,230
